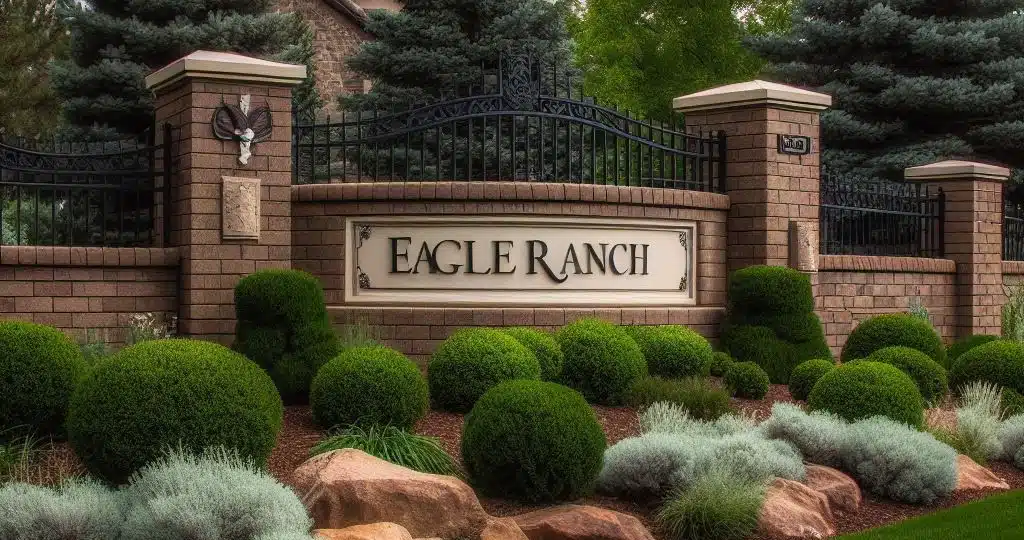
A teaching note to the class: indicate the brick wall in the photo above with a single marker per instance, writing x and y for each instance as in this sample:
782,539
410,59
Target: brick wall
82,289
318,240
850,289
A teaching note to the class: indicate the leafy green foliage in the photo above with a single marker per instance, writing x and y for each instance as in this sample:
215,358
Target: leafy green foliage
601,361
673,351
717,507
998,362
720,362
533,441
746,380
702,399
1012,402
893,329
41,368
283,326
806,375
960,347
144,398
33,35
367,386
545,349
864,389
928,375
473,360
398,446
78,509
769,290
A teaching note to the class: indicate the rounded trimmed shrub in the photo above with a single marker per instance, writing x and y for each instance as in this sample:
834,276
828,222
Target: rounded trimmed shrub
601,361
758,344
368,386
746,380
893,329
998,362
673,351
928,375
545,349
533,441
770,290
39,369
960,347
805,375
157,394
1012,402
720,361
791,327
863,389
283,326
473,360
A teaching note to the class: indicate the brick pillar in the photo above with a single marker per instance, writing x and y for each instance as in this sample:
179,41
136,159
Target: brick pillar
768,189
972,237
228,219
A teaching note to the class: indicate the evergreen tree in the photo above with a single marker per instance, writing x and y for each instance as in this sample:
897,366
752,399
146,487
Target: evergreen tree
33,35
115,44
913,81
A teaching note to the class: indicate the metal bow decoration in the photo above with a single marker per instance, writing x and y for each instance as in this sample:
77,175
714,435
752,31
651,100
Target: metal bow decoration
238,123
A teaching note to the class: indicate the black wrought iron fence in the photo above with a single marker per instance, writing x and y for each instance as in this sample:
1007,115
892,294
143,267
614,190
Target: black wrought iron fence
1013,231
880,217
523,122
89,194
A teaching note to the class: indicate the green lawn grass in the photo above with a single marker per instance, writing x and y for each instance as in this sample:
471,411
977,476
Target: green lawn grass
1000,517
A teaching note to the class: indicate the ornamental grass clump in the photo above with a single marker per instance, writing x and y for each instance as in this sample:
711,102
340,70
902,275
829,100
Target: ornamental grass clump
894,330
673,351
398,446
367,386
771,321
472,361
79,509
718,506
601,361
549,355
863,389
532,441
698,396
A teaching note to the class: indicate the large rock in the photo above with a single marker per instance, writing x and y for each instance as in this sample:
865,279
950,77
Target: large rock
793,510
350,487
842,492
502,529
970,475
373,531
573,522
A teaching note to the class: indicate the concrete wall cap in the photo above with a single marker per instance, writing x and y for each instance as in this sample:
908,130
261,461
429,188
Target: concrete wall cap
225,66
956,170
756,92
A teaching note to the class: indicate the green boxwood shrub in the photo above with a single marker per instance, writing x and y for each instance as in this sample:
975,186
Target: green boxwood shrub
998,362
928,375
1011,402
959,347
533,441
166,393
367,386
863,389
805,375
746,380
770,290
673,351
601,361
758,344
473,360
283,326
894,329
720,361
545,348
39,369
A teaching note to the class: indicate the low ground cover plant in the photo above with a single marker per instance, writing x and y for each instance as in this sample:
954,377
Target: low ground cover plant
894,329
601,361
673,351
746,380
472,361
927,374
545,349
366,386
863,389
532,441
701,398
806,375
398,446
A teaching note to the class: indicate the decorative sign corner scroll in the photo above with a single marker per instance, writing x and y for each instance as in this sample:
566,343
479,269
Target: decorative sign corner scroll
240,208
239,123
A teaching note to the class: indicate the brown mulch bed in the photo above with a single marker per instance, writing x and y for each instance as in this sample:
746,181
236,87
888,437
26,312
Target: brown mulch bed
299,434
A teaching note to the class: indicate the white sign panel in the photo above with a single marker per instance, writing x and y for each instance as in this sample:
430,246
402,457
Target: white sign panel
519,261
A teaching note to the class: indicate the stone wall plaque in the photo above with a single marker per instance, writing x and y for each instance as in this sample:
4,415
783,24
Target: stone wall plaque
240,208
509,260
803,246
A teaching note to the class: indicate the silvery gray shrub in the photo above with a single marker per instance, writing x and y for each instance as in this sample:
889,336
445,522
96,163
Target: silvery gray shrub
818,436
76,510
646,466
1011,438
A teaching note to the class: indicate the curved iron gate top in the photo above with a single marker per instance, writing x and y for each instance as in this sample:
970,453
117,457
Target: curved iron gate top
521,124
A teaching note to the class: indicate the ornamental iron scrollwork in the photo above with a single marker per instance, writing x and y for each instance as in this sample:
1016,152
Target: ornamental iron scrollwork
239,123
364,234
364,280
684,242
519,87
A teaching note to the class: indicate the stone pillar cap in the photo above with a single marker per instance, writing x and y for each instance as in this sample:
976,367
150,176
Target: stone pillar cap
956,170
223,66
753,93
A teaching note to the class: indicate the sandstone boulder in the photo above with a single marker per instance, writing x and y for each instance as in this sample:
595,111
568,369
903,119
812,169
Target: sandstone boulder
502,529
349,487
793,510
573,522
372,531
842,492
970,475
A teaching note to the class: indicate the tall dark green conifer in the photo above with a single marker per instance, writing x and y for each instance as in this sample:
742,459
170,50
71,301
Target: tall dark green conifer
914,81
115,44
